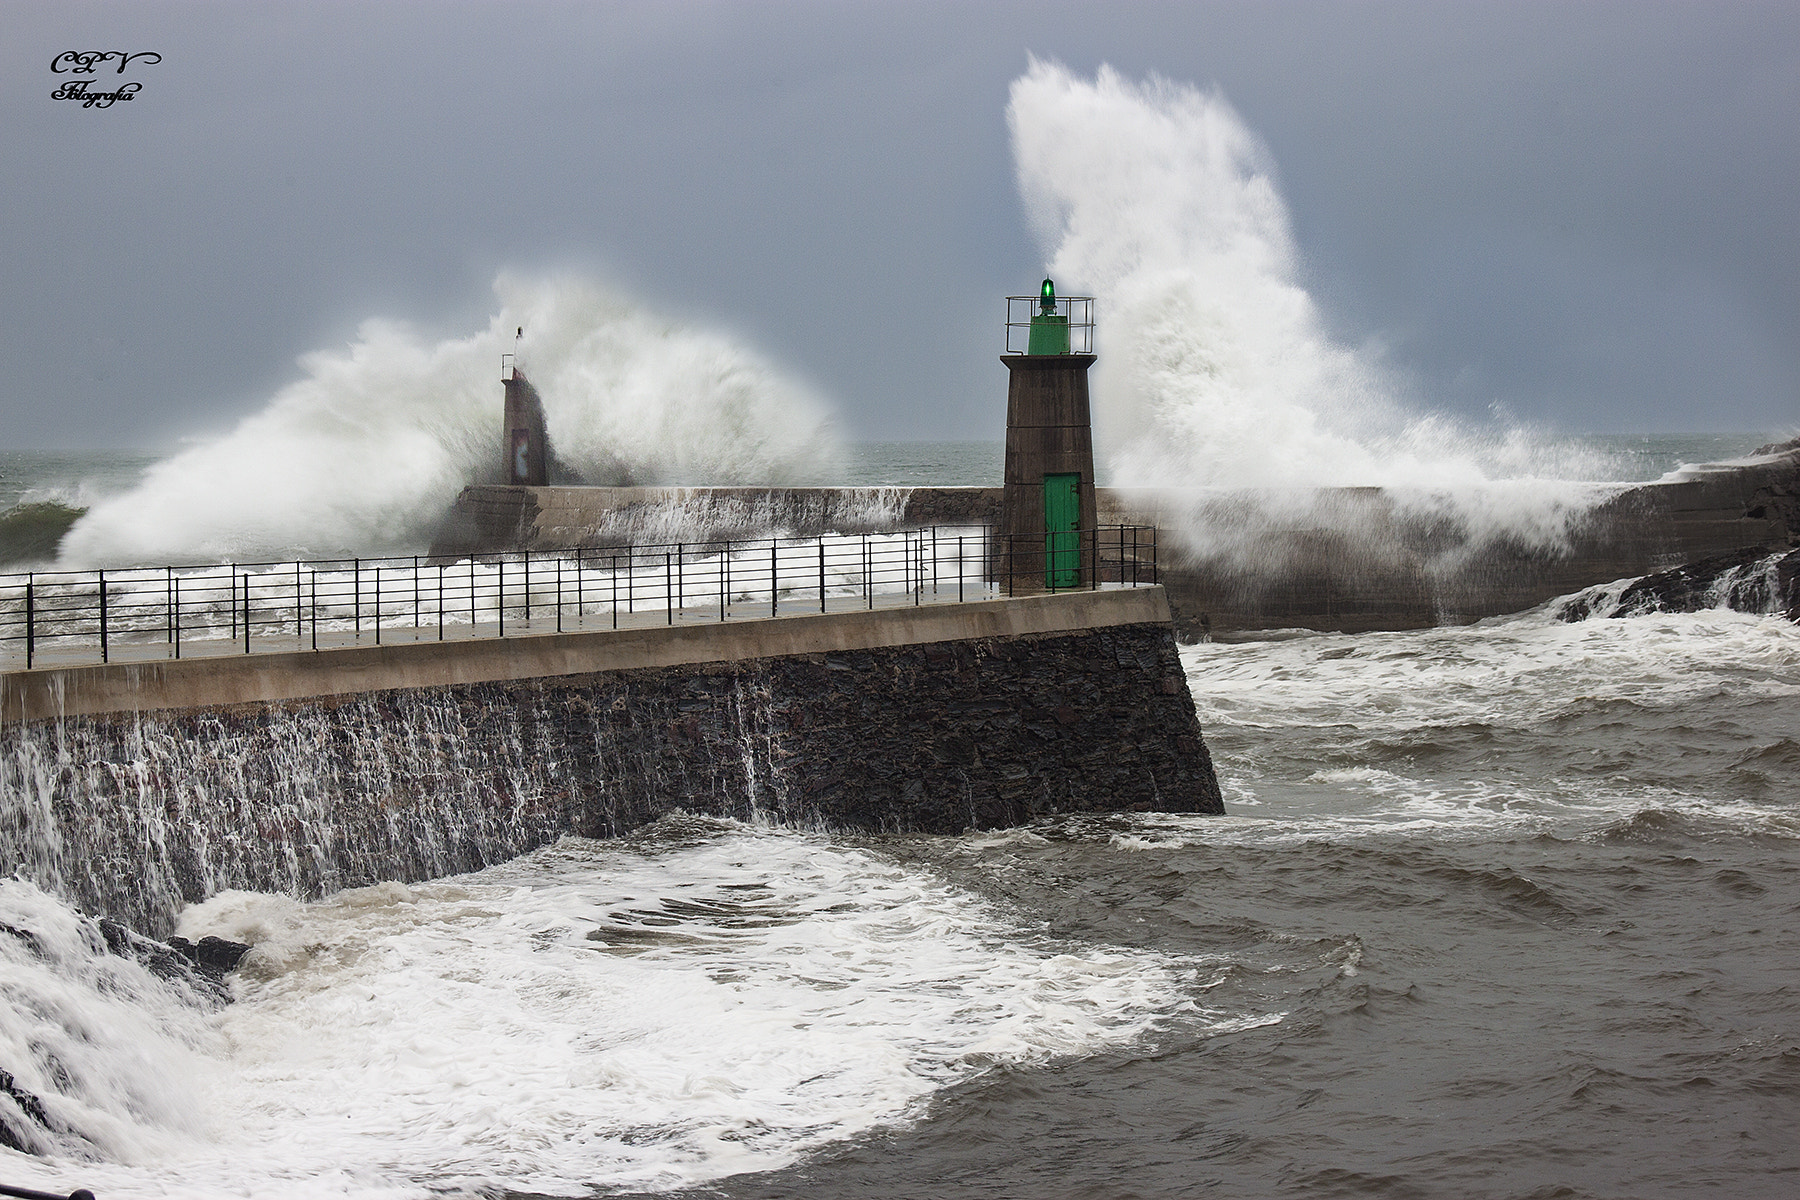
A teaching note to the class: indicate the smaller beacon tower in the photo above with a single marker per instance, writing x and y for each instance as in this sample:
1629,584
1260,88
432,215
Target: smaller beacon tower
1047,514
525,443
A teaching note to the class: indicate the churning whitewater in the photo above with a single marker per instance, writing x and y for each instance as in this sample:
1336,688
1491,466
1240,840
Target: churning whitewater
1500,910
701,1000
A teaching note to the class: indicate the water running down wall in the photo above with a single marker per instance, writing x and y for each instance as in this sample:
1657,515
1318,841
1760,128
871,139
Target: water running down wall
134,816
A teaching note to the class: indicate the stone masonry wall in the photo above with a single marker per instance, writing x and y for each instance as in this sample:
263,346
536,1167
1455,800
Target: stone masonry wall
133,816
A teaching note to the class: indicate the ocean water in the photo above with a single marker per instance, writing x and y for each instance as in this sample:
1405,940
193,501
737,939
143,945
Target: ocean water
1502,910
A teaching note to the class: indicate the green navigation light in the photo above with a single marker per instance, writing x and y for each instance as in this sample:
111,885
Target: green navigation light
1049,328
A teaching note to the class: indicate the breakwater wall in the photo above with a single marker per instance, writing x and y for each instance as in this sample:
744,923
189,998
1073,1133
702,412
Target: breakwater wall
933,720
1360,559
1341,559
487,517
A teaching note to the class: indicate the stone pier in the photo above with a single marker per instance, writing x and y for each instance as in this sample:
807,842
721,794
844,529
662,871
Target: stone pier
134,789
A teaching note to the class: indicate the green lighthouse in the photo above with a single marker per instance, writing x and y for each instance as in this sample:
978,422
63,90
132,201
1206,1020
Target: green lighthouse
1047,519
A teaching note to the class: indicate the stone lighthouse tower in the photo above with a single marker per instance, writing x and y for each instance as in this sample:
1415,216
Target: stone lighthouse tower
1048,519
526,445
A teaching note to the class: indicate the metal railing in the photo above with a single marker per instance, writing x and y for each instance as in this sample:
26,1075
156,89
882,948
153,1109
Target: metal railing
142,614
1073,560
1075,312
33,1194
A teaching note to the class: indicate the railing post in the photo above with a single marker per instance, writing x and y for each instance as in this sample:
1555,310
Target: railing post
669,586
103,616
724,578
377,608
774,576
356,597
500,599
580,590
175,614
821,572
525,557
959,568
440,602
314,580
615,589
299,617
169,604
231,605
559,605
30,620
247,610
680,576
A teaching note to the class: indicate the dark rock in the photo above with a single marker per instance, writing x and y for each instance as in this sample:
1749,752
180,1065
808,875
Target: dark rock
200,967
213,955
1751,580
23,1138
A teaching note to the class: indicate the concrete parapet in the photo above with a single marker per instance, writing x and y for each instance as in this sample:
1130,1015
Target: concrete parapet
50,692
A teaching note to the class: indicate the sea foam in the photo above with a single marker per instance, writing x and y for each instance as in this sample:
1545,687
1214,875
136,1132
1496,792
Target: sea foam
701,1001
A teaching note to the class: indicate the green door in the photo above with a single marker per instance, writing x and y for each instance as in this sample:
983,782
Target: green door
1062,521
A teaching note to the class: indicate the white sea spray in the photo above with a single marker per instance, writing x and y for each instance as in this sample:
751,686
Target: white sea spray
366,452
1216,369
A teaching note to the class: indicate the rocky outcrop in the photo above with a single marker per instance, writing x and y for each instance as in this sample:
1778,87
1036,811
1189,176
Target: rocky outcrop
198,966
1750,580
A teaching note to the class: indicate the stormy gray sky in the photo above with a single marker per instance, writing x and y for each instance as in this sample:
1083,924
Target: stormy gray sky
1582,213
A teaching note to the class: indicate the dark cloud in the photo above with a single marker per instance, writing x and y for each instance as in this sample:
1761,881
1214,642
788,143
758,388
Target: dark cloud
1580,212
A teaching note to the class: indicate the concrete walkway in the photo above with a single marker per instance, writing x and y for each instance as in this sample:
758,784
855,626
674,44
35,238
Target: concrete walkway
217,671
136,646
